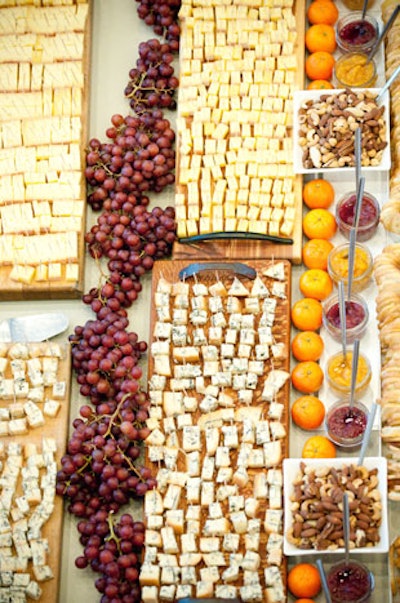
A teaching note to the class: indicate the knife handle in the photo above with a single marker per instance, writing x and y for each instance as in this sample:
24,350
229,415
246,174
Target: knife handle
236,267
238,235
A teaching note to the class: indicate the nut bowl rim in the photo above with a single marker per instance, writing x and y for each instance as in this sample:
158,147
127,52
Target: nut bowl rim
290,470
300,96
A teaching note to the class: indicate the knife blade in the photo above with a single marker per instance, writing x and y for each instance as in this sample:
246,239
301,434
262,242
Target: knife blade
33,328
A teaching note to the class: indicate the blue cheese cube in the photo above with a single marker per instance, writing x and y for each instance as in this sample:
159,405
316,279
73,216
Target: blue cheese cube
162,330
188,575
179,335
150,594
251,593
167,592
208,466
199,337
231,543
215,335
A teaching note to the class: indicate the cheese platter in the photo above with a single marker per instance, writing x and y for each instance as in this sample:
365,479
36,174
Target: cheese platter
34,406
220,161
43,130
218,468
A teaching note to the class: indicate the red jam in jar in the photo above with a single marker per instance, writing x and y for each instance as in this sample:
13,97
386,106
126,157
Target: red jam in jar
349,581
347,423
355,314
358,33
369,216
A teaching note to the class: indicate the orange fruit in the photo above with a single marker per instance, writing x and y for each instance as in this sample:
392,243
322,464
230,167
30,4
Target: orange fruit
316,283
304,580
307,345
318,193
322,11
307,314
320,37
318,447
319,224
302,600
319,85
308,412
307,377
319,65
315,253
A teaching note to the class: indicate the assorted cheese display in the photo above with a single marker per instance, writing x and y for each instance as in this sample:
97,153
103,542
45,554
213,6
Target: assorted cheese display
28,477
31,390
218,385
43,48
238,72
34,390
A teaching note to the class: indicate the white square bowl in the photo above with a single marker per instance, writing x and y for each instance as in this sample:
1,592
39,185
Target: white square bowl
291,468
302,96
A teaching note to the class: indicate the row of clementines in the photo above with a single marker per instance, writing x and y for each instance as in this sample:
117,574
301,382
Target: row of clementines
319,226
320,42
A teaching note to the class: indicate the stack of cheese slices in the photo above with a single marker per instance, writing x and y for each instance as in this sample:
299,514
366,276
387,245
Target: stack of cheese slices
42,190
237,78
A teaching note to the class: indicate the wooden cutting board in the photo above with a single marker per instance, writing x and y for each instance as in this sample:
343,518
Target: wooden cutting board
60,288
238,249
56,428
170,271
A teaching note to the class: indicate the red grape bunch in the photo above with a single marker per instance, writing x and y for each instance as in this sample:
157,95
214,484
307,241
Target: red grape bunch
112,549
100,470
139,157
152,82
132,241
162,16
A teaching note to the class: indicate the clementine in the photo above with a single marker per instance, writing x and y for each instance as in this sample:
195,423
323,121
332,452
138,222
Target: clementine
307,345
319,224
307,314
304,580
315,253
316,283
318,193
320,85
302,600
307,377
322,11
320,37
319,65
308,412
318,447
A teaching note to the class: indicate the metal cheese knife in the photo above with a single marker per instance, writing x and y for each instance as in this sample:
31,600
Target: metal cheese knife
37,327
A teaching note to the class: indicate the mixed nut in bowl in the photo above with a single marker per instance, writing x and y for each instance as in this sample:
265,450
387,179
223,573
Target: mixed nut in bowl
323,137
313,505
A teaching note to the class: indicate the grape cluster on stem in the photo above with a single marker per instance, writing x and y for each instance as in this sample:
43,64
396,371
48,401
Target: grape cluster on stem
152,82
112,549
162,16
139,157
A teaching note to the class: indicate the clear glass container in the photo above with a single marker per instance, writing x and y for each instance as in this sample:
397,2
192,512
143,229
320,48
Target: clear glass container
338,266
369,215
353,70
345,425
338,372
355,34
357,316
350,582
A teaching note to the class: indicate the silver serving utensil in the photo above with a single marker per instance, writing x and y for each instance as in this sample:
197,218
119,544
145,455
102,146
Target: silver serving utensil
353,237
324,581
346,527
354,367
342,314
367,432
37,327
387,85
383,33
357,153
364,9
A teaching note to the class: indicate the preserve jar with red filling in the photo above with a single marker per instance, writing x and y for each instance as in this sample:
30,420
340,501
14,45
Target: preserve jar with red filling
346,425
357,316
355,33
350,582
369,215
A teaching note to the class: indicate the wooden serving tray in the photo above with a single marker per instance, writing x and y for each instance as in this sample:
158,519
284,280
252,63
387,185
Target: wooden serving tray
170,271
246,248
56,428
60,288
